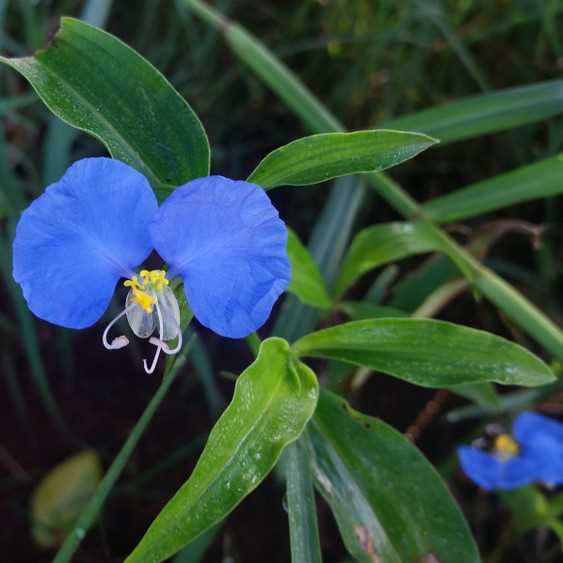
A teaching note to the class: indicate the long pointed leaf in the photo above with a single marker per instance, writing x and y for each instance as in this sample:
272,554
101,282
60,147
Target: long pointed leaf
273,400
322,157
535,181
487,113
427,352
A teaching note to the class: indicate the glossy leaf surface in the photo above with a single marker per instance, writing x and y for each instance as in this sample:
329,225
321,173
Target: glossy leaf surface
94,82
389,502
326,156
427,352
306,280
273,400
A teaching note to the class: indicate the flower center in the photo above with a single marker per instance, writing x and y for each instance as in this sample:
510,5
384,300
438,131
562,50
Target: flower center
506,446
143,289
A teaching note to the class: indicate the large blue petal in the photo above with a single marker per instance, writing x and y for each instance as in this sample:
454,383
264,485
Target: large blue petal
541,437
492,473
226,240
75,241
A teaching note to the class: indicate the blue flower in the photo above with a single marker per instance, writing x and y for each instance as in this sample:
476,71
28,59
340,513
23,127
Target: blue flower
101,220
534,453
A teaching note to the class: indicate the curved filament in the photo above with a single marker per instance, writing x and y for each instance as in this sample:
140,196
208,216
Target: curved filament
156,342
120,341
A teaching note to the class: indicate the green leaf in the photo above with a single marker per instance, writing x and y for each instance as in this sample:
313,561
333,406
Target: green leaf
306,280
273,400
427,352
61,496
380,245
390,504
535,181
487,113
326,156
96,83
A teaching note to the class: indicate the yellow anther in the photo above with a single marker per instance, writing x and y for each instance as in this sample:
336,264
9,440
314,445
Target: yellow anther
153,281
506,446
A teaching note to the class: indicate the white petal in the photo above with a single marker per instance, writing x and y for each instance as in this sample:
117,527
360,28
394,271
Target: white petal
141,322
170,313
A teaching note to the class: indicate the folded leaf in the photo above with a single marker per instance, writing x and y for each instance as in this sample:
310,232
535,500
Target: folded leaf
94,82
306,280
390,504
273,400
325,156
427,352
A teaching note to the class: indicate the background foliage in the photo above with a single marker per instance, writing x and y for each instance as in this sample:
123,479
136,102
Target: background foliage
386,59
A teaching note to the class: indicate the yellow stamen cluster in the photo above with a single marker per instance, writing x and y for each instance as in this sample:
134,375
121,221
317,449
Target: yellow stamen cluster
153,280
506,446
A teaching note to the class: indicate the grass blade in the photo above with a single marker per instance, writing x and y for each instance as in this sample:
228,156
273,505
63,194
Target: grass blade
535,181
304,533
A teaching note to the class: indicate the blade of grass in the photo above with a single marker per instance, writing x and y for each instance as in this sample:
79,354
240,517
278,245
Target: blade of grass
278,76
304,533
92,510
534,181
487,113
436,15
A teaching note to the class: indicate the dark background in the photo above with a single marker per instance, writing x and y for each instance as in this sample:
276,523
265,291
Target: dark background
368,61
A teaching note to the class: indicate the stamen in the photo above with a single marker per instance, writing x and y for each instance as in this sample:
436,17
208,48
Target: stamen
158,346
164,345
119,341
506,447
153,280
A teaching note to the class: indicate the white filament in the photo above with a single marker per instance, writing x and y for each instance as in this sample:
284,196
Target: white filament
119,341
158,346
168,315
164,346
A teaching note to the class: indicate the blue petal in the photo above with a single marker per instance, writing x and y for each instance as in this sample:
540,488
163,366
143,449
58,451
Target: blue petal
541,437
492,473
75,241
226,240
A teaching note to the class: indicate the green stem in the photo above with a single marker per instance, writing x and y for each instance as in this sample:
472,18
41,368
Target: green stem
89,515
253,341
296,95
